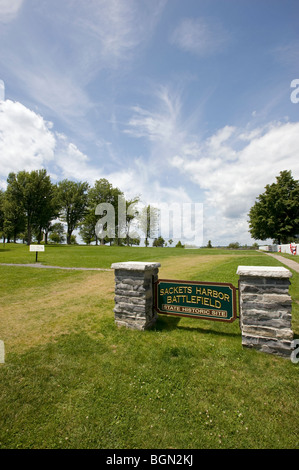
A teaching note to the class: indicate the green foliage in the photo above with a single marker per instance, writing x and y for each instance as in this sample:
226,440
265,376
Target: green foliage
148,219
179,245
101,192
275,214
87,230
73,240
72,200
31,202
159,242
234,245
131,213
1,209
57,233
29,197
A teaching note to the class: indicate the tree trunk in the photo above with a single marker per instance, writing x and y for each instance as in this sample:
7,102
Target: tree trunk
39,237
29,232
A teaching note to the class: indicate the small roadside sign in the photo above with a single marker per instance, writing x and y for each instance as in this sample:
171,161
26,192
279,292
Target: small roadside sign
36,248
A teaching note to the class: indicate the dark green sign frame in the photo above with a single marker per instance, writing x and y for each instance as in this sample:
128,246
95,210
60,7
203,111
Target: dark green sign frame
204,300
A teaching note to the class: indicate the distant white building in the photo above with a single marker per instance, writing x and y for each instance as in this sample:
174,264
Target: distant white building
290,248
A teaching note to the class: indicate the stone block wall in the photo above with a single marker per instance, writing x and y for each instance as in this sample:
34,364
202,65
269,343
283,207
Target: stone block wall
265,309
134,302
265,303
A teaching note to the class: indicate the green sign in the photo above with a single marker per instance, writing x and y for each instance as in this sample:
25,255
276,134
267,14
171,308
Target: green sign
205,300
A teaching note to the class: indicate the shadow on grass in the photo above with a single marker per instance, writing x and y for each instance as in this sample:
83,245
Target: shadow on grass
171,323
166,323
209,331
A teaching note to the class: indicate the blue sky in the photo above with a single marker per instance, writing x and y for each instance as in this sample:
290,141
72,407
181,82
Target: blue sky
175,101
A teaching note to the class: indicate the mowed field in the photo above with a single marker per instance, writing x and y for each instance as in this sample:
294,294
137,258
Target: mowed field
72,379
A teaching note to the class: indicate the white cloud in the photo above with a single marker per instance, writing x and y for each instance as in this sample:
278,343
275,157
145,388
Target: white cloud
231,186
86,39
71,163
231,167
137,181
26,142
117,27
100,34
9,9
199,36
161,126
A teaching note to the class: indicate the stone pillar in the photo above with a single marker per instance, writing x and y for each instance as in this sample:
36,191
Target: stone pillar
265,309
134,302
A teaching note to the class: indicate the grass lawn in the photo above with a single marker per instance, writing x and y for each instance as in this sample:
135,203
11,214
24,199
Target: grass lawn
292,257
72,379
97,256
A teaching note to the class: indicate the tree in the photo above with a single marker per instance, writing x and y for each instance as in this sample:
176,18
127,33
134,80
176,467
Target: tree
209,245
275,214
48,212
13,217
148,219
57,233
134,241
1,211
101,192
87,230
234,246
73,240
31,193
159,241
131,213
72,198
179,245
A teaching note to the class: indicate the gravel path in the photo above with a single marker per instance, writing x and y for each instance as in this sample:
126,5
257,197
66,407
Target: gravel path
39,265
288,262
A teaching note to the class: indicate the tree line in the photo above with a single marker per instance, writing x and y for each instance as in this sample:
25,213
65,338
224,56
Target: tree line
32,204
33,207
